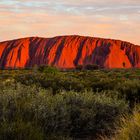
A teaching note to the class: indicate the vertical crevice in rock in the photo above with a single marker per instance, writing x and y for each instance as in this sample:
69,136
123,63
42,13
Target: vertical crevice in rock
58,52
79,54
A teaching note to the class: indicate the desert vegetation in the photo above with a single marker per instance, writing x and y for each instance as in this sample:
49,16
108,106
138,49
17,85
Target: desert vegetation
44,103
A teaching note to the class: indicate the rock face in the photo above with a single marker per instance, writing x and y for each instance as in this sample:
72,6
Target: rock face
68,52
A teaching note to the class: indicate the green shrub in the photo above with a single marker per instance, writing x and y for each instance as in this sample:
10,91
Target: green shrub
78,114
103,84
64,114
130,89
79,67
91,67
19,130
48,69
27,79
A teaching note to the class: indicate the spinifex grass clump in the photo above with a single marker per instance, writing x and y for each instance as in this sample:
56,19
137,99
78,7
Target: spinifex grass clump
130,127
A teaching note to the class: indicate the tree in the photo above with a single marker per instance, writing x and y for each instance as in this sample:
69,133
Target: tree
48,69
79,67
91,67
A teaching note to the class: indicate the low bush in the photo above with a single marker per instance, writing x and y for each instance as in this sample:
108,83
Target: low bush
20,130
91,67
48,69
130,90
34,111
79,67
103,84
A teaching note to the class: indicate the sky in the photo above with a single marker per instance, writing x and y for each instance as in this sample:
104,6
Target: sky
116,19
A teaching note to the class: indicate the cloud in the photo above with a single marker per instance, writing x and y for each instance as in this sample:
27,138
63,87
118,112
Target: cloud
111,18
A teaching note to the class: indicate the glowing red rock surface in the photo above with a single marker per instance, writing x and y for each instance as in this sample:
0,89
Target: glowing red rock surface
68,52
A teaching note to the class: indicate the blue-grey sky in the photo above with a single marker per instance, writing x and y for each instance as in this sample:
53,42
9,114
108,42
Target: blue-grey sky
118,19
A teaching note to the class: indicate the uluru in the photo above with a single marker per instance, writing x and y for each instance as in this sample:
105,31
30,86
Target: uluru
68,52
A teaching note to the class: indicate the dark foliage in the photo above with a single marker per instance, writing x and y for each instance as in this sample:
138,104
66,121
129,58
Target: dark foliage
45,103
